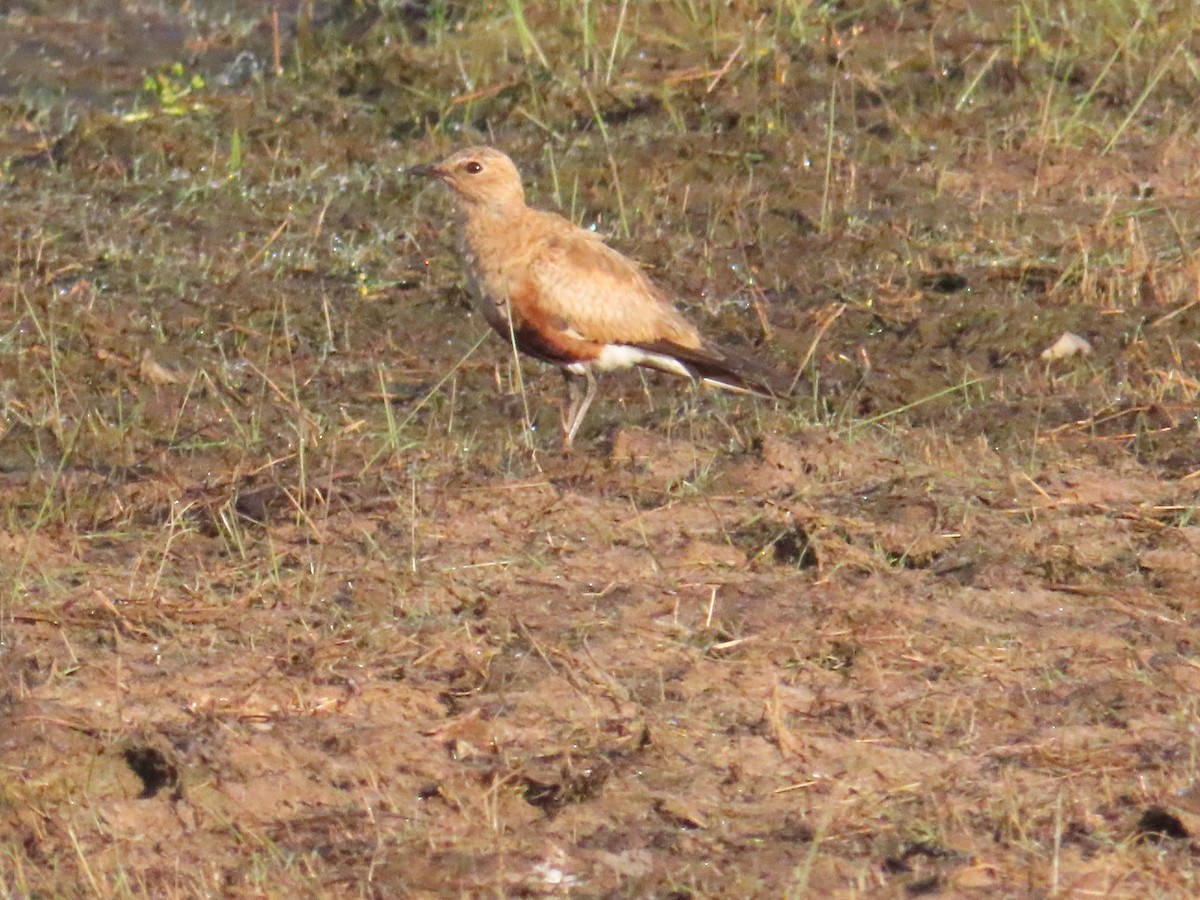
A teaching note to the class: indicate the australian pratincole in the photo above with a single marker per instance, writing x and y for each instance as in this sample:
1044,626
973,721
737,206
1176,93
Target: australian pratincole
564,297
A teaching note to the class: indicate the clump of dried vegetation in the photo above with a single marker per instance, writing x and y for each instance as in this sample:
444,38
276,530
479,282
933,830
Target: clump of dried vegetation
299,597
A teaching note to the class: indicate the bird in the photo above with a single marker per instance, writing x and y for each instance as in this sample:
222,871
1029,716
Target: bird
563,296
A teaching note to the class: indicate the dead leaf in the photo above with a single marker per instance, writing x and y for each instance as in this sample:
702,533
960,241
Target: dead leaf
1069,344
153,372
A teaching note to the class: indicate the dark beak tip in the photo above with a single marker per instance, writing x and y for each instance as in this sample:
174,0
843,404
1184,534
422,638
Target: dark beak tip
424,170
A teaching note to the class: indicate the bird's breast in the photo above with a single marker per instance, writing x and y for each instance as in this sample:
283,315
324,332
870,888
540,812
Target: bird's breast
487,288
496,259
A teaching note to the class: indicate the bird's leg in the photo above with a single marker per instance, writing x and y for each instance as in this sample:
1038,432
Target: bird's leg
578,406
564,412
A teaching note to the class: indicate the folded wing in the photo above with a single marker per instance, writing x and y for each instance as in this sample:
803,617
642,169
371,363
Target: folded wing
594,295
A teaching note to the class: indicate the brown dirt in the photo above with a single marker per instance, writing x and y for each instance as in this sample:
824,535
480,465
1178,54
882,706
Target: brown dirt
300,599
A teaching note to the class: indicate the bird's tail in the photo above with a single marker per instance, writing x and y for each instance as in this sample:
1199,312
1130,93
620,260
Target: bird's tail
725,369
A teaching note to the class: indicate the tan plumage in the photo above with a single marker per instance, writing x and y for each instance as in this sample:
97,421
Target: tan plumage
567,298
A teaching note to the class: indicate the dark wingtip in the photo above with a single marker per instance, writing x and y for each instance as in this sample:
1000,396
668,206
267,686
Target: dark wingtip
726,368
745,372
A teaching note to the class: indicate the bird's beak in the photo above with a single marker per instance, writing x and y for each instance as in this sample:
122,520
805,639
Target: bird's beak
426,170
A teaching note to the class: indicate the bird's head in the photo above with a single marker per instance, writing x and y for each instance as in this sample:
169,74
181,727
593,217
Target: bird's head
481,176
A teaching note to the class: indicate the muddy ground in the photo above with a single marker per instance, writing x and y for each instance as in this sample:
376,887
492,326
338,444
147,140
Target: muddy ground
298,596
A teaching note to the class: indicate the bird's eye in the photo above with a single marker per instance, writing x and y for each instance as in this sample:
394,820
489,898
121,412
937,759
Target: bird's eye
473,168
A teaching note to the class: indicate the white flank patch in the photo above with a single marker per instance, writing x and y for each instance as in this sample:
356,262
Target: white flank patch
622,356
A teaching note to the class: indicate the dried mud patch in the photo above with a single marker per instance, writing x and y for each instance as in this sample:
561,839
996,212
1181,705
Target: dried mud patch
607,681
